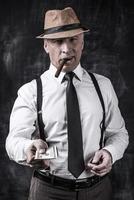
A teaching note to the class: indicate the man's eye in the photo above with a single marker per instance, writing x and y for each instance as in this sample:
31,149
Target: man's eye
73,39
57,41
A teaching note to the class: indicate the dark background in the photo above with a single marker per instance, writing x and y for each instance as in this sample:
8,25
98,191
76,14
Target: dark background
109,50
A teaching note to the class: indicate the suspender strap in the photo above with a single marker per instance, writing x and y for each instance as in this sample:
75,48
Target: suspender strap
39,109
102,125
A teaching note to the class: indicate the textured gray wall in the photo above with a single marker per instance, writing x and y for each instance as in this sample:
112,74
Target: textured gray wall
108,50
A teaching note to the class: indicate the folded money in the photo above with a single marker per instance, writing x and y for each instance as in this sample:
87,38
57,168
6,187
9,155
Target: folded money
50,153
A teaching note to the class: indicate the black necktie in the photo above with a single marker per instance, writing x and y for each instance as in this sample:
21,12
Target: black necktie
75,145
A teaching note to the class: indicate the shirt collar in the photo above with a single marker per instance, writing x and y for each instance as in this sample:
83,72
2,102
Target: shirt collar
78,71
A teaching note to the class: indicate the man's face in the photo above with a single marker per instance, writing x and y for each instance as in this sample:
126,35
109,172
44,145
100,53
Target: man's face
70,48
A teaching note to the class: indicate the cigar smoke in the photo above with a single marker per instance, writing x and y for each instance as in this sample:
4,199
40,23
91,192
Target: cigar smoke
63,61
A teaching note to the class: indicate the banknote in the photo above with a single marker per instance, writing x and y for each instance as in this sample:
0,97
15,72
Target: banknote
50,153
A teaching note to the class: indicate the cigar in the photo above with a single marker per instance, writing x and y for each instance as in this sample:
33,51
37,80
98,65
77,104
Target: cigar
63,61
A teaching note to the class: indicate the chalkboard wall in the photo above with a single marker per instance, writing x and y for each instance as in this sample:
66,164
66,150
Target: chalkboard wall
109,50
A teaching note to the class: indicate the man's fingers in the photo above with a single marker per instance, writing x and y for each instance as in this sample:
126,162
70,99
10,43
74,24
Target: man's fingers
30,159
97,157
46,163
101,163
99,173
38,146
101,169
30,154
104,165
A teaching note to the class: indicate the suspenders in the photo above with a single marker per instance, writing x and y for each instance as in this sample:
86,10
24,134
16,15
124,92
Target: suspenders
39,105
39,110
102,125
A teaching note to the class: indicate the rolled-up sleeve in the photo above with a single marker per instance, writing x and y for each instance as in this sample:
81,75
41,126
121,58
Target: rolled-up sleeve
22,123
116,135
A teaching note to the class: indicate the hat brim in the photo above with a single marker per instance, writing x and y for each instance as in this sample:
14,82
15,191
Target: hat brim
64,34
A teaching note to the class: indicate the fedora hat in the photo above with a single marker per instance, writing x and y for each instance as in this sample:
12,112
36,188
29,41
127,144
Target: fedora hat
61,24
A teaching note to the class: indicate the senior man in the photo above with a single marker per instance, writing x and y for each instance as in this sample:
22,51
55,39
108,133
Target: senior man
79,121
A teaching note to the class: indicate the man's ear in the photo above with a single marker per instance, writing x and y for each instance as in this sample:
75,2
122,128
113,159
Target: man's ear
83,42
46,46
82,45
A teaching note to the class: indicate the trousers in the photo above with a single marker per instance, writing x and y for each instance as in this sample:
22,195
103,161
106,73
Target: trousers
40,190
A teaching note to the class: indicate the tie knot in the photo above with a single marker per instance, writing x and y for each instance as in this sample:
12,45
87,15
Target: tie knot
69,76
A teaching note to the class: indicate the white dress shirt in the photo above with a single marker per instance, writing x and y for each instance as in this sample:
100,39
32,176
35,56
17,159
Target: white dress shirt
24,114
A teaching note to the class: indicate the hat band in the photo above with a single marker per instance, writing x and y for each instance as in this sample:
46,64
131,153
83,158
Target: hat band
67,27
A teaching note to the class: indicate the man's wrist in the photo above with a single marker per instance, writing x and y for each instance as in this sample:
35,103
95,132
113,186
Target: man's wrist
109,154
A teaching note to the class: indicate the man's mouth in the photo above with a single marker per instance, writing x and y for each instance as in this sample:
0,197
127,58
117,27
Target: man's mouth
68,59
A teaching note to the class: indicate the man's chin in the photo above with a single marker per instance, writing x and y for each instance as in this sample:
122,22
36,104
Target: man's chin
68,68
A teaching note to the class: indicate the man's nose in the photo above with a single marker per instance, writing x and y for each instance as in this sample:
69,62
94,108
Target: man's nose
66,47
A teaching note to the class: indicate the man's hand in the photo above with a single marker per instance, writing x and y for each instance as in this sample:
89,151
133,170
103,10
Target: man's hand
101,163
37,146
